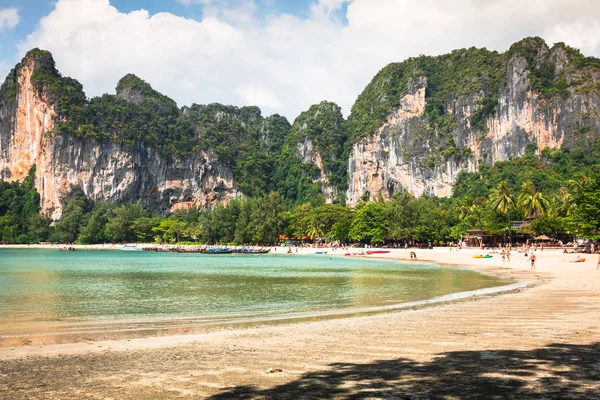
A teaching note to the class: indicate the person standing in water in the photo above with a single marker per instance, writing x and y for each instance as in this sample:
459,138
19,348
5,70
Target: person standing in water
532,259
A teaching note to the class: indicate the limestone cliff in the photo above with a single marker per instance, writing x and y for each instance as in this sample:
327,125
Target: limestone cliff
103,168
491,108
415,128
318,136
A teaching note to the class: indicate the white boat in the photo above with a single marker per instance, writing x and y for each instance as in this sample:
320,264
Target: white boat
130,247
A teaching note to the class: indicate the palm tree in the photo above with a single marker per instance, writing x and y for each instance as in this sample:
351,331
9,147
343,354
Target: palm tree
502,199
531,202
564,201
465,207
314,229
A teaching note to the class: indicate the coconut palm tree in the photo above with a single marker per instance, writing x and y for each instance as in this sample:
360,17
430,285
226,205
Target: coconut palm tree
315,229
502,199
465,207
564,201
531,202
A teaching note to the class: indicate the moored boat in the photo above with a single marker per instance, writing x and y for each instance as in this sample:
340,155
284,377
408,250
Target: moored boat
252,251
129,247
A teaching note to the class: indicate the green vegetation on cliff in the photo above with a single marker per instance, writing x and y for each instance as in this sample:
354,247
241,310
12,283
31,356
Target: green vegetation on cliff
455,77
139,116
267,154
318,135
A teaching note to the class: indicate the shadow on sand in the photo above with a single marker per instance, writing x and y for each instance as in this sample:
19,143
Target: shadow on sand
558,371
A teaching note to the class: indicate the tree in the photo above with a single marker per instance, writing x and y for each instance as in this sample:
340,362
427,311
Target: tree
142,228
586,215
502,199
95,229
465,207
564,202
400,215
168,230
369,223
315,229
531,202
118,228
75,214
268,219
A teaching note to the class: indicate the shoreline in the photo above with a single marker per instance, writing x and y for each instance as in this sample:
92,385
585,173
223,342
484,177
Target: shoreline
559,307
65,336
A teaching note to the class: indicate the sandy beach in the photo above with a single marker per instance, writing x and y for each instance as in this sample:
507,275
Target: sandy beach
541,341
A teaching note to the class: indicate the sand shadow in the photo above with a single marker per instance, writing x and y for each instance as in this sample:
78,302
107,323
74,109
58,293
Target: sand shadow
558,371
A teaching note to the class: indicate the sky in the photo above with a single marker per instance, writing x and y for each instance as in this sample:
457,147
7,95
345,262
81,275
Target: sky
280,55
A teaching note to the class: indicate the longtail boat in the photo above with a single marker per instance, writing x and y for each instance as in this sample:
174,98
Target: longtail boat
253,251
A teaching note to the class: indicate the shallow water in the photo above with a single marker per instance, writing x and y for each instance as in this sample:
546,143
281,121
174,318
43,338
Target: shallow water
50,285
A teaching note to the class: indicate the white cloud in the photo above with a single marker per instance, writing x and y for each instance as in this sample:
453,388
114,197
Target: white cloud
284,63
9,18
259,96
324,8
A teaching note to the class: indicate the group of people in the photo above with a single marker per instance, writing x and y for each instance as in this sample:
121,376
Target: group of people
505,255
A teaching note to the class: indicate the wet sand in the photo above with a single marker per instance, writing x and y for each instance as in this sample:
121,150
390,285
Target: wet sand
540,341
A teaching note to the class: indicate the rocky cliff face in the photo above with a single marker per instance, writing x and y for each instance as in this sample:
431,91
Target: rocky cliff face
319,135
414,128
307,153
102,168
410,152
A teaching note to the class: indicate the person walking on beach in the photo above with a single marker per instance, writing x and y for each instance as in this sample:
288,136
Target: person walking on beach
532,259
508,255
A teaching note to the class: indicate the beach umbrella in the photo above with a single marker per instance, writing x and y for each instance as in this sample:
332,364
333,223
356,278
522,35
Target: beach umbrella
543,237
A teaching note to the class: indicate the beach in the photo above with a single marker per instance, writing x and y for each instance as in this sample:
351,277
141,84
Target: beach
538,341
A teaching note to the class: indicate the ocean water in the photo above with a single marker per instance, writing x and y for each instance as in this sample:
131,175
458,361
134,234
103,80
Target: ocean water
96,285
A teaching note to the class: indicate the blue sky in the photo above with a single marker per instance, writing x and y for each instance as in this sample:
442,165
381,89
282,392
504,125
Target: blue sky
281,55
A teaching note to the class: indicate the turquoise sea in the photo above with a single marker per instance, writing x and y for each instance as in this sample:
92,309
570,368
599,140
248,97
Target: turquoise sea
96,285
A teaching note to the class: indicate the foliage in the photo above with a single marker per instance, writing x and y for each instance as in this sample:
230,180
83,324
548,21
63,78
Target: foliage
586,216
531,202
76,208
369,224
459,73
20,221
321,134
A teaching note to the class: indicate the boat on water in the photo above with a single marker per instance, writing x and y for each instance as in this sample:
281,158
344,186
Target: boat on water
252,251
129,247
217,251
205,250
67,248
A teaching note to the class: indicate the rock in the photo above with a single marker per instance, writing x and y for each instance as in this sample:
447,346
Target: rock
102,169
